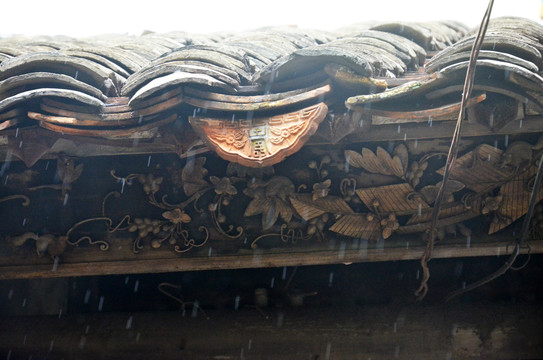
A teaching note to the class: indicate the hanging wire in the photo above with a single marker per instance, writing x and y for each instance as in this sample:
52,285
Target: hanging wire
453,152
521,240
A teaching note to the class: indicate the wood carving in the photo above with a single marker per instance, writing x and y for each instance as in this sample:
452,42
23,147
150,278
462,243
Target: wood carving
514,199
260,142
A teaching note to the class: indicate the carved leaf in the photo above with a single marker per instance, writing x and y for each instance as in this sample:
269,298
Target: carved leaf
309,209
374,163
401,151
357,226
257,206
269,217
66,170
353,158
380,162
193,176
284,209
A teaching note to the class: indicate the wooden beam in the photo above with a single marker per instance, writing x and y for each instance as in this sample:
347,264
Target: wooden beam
254,259
392,132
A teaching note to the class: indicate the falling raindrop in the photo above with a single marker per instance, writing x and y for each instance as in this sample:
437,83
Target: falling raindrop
17,132
101,303
330,279
24,302
140,119
463,284
418,274
24,340
250,344
76,74
416,143
21,144
138,336
209,251
328,349
6,181
458,268
272,283
233,117
126,280
82,341
430,121
46,166
341,253
10,294
9,355
87,296
496,144
280,318
499,249
24,221
87,329
129,323
236,303
520,123
123,182
363,248
149,161
284,273
59,313
491,120
65,200
399,128
195,309
405,137
241,355
136,286
419,212
468,241
407,244
506,142
55,263
51,345
194,113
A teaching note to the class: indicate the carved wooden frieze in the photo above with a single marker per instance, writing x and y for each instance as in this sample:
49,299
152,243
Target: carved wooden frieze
260,142
513,200
481,169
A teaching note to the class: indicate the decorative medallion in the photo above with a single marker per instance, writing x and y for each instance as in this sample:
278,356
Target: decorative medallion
263,141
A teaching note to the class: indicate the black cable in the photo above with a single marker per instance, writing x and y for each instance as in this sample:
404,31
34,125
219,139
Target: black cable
520,241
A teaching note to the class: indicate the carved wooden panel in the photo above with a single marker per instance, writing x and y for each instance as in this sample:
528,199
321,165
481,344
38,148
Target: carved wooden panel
515,199
263,141
392,199
480,169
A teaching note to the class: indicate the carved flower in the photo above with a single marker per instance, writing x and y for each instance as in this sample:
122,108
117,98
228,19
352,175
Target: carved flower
270,199
389,224
320,190
285,133
223,186
150,184
317,223
492,204
176,216
230,139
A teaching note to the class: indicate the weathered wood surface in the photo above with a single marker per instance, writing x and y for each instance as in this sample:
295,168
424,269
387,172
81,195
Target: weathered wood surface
456,331
128,263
